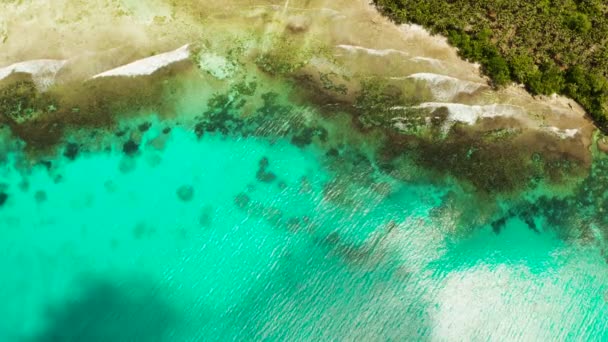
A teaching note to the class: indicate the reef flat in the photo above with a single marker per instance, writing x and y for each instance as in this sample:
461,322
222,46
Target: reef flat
294,170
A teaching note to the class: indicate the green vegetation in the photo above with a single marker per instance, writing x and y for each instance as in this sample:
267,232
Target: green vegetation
550,46
20,101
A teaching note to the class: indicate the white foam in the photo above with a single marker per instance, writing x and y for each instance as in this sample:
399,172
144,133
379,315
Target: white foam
446,88
373,52
149,65
468,114
43,71
563,133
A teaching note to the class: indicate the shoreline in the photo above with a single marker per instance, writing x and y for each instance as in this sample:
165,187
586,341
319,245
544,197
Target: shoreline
438,106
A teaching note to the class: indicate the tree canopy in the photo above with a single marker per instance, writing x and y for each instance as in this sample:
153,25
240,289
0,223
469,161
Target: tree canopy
550,46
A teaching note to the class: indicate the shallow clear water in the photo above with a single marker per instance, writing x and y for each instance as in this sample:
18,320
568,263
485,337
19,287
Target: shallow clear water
188,243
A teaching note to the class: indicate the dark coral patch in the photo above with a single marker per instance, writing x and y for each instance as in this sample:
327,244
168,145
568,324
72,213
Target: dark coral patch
40,196
264,163
304,137
199,129
46,164
141,230
266,177
498,225
185,193
127,165
262,174
205,218
130,147
3,198
144,127
490,165
24,185
293,224
242,200
71,151
332,152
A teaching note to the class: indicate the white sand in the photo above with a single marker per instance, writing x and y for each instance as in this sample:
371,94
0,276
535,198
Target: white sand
43,71
563,133
149,65
468,114
446,88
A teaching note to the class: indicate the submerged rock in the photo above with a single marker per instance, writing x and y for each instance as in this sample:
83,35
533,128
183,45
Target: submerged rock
205,218
130,148
40,196
71,151
262,174
265,176
185,193
498,225
142,230
242,200
144,127
46,164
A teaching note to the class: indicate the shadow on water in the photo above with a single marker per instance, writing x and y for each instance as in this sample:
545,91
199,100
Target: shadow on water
107,311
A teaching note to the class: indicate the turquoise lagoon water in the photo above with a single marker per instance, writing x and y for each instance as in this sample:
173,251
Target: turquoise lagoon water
229,238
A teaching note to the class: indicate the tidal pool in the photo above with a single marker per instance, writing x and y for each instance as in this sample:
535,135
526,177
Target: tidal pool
296,171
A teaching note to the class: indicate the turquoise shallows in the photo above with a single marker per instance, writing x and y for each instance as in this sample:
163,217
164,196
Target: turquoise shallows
224,238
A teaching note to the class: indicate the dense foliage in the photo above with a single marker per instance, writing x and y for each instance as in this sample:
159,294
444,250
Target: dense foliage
551,46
